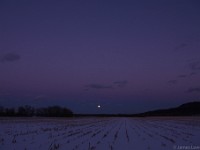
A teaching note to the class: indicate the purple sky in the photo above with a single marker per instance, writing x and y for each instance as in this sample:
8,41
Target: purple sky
126,56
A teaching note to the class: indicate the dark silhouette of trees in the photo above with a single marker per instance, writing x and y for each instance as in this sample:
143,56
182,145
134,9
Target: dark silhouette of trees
28,111
1,111
54,111
10,112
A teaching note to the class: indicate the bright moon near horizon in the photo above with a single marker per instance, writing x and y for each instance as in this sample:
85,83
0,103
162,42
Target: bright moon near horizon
99,106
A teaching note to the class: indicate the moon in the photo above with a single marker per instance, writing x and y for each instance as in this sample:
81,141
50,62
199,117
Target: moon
99,106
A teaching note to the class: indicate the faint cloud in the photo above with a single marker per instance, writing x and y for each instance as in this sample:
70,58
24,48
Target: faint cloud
172,81
193,73
10,57
98,86
40,97
147,90
188,43
181,46
193,90
120,83
5,93
182,76
194,66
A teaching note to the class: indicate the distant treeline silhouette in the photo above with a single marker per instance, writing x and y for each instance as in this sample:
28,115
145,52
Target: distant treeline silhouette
29,111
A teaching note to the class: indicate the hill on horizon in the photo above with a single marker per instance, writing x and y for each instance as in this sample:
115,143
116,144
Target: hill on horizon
186,109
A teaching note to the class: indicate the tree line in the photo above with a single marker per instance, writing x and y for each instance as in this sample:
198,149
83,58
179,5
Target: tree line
29,111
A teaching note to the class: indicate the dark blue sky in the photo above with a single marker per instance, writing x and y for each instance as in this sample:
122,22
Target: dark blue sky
127,56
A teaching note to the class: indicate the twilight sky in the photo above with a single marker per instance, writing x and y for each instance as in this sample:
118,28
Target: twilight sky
127,56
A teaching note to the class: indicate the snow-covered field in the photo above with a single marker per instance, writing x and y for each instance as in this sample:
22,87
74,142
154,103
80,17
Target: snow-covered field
155,133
